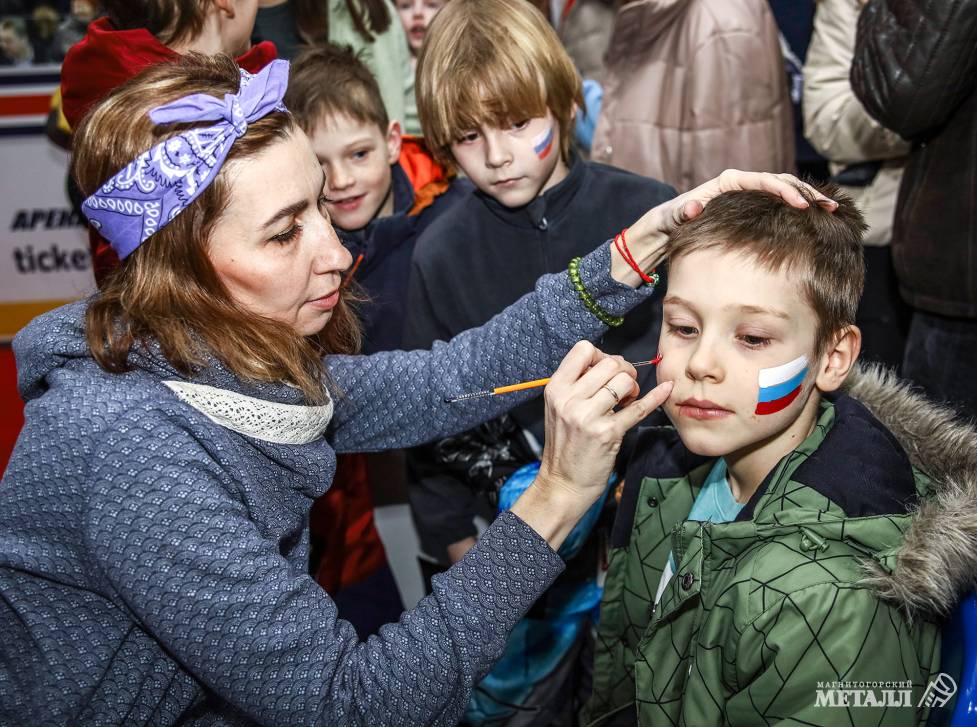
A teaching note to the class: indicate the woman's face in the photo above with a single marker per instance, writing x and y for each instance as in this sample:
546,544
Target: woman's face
274,247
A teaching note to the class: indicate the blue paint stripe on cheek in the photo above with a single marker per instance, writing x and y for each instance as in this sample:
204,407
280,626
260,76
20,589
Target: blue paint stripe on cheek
541,146
772,393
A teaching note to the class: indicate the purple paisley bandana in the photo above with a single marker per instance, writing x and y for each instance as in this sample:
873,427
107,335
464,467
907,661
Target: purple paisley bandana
158,185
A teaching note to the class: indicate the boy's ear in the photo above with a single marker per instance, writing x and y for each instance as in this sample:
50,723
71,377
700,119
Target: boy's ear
394,137
838,360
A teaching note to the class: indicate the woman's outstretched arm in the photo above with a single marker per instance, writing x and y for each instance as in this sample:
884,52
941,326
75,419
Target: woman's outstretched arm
396,399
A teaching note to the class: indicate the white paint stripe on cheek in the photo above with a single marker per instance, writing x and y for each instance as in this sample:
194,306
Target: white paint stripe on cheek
780,374
541,138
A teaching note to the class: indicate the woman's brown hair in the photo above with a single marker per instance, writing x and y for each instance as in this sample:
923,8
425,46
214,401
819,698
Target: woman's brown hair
167,290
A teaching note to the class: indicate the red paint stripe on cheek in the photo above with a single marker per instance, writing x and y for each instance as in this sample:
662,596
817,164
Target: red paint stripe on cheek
772,407
546,152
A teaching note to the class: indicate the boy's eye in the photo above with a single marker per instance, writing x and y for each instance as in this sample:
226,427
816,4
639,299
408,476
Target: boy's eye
520,125
360,154
288,235
754,341
682,331
468,137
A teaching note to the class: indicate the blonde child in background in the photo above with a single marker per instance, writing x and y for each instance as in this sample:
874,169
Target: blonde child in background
497,94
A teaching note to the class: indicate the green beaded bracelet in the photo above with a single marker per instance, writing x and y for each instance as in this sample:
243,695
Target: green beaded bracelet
589,303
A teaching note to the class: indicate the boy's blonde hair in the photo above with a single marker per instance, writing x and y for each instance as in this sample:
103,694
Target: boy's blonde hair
493,62
822,249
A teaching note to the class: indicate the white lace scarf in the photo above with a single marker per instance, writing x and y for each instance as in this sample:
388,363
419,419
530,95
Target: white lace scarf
265,420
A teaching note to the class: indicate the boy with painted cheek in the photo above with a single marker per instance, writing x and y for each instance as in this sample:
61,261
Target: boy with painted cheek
512,164
743,351
747,528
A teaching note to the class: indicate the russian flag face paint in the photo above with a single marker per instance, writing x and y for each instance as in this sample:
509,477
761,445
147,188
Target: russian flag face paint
543,143
780,385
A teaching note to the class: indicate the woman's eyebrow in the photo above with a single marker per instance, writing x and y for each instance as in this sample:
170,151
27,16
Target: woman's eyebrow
292,209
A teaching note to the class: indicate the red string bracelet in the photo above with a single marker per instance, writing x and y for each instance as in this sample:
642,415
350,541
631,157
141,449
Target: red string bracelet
621,244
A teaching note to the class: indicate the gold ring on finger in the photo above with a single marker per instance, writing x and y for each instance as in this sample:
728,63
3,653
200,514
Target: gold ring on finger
612,393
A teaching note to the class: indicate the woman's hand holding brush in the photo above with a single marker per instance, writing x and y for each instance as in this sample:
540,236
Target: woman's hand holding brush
590,404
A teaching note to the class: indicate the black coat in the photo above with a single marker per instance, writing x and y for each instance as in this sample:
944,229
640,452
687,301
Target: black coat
915,69
387,245
469,265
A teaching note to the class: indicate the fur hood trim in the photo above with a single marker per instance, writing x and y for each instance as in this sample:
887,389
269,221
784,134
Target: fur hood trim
937,563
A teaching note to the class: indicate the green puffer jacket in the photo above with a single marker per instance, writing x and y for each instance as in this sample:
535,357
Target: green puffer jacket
839,569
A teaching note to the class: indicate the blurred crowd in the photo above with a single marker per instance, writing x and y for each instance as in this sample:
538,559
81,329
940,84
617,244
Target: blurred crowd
40,32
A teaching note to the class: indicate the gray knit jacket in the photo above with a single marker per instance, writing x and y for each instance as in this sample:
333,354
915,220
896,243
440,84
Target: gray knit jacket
153,558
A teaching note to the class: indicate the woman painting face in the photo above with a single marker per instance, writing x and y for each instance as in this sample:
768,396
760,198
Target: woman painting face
274,247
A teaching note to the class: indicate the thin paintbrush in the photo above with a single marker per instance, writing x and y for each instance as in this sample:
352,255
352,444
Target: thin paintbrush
527,385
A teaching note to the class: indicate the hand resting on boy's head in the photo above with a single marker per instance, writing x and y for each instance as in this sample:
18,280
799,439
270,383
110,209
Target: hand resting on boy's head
647,236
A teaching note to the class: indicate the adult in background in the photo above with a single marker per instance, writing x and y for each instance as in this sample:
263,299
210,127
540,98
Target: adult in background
15,43
45,20
74,26
585,27
866,160
795,23
154,513
693,87
915,70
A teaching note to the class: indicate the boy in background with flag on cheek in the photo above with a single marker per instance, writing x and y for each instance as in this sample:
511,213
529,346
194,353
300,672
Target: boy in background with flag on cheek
772,537
497,94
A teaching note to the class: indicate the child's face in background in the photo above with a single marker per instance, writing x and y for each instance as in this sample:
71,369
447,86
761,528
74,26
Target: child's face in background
726,318
415,16
356,157
83,10
514,165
